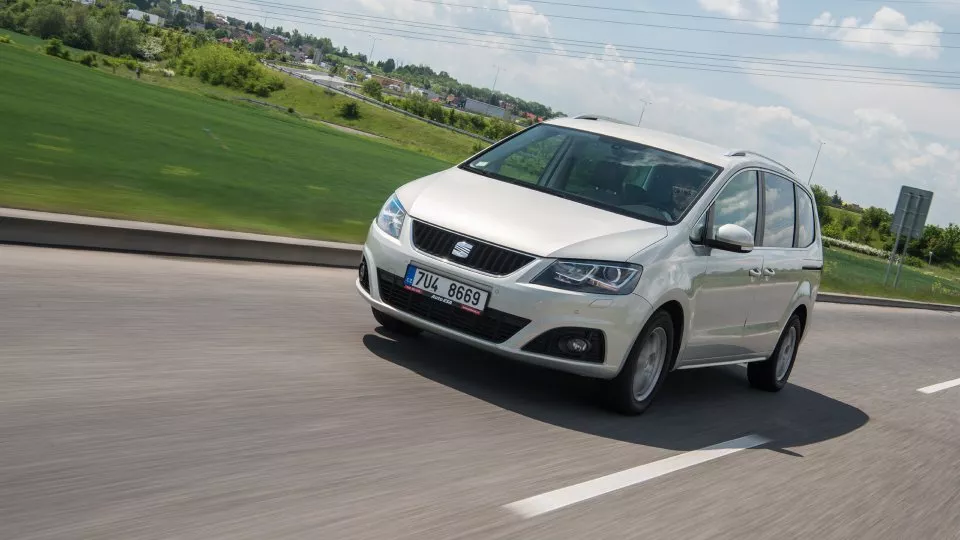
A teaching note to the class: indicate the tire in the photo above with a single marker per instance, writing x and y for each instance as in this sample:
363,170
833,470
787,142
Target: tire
647,365
772,374
396,326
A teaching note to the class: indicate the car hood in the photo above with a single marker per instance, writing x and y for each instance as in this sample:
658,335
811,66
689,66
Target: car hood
525,219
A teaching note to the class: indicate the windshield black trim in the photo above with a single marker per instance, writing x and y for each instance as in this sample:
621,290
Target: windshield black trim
465,166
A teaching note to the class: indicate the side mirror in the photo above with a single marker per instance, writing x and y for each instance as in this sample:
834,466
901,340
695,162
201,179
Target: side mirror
733,238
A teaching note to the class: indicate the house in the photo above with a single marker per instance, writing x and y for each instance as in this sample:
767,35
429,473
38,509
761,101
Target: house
188,11
196,27
86,2
137,15
532,117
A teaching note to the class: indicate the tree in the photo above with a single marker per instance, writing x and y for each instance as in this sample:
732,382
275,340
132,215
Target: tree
249,26
452,117
836,200
258,28
822,199
47,21
296,39
311,52
221,33
389,66
201,15
259,45
876,218
372,88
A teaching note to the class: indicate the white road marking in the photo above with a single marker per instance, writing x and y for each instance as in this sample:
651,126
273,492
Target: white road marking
938,387
554,500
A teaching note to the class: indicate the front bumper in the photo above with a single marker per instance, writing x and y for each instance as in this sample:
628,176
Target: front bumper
620,318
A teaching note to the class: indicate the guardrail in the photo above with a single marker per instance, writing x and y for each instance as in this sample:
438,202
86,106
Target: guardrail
380,104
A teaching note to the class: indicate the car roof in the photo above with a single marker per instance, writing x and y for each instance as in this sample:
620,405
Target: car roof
699,150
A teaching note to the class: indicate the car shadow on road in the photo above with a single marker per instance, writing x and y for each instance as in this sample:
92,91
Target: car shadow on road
694,409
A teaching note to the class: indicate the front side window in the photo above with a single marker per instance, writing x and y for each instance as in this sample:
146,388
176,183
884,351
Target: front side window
737,203
778,218
613,174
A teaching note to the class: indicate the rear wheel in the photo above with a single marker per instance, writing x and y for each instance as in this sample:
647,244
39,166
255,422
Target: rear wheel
772,374
634,389
395,326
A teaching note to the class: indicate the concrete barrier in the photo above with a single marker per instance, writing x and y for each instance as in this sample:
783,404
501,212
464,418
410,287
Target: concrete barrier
836,298
59,230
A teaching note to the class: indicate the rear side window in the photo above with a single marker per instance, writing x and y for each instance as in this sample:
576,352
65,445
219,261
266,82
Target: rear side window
805,218
779,212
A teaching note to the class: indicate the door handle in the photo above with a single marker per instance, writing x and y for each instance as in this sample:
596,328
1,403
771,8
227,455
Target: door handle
755,272
769,271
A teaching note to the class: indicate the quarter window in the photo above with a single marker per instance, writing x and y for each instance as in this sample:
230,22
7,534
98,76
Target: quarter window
805,218
779,212
737,203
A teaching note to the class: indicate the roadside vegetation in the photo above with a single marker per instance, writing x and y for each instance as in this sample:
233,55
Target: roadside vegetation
83,141
852,273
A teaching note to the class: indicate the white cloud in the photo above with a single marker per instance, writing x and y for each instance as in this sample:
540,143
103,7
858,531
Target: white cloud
887,31
525,20
765,11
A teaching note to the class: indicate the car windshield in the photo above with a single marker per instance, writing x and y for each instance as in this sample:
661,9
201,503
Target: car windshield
609,173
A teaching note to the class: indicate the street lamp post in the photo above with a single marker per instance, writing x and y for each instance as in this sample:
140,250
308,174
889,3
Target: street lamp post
370,58
815,161
643,110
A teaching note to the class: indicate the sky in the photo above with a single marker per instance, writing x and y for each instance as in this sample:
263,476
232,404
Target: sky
897,126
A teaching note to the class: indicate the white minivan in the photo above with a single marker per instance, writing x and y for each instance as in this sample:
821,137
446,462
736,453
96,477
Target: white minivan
606,250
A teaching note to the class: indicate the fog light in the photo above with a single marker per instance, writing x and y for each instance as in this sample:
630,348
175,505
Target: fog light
574,345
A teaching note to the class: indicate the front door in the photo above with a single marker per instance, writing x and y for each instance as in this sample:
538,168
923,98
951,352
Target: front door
723,293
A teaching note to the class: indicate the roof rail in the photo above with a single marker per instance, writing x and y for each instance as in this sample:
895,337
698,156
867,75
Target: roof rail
743,153
602,118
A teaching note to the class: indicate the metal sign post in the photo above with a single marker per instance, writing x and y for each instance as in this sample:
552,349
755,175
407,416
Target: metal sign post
909,220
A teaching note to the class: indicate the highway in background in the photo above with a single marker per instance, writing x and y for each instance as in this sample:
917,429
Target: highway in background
153,398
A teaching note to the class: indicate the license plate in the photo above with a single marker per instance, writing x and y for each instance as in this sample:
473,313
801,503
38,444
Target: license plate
445,290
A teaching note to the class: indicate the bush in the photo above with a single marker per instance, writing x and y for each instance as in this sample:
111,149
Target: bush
372,88
89,60
349,110
224,66
851,234
55,47
290,110
915,262
5,39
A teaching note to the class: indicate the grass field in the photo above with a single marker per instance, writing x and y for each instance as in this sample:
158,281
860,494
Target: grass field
81,140
853,273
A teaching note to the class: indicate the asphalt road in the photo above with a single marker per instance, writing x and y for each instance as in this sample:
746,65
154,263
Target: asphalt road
159,398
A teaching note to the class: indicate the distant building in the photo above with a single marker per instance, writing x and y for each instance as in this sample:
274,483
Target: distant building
137,15
387,82
482,107
86,2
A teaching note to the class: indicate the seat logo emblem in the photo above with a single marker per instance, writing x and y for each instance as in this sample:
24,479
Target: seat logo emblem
462,249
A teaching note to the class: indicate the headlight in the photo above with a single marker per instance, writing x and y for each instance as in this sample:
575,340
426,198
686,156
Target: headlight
391,217
591,277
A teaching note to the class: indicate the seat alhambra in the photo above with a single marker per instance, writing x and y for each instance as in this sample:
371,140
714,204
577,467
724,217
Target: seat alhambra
606,250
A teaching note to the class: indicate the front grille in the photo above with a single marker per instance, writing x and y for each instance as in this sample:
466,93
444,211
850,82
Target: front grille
548,343
484,257
492,325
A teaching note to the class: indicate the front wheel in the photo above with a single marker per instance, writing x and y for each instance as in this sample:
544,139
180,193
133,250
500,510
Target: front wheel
633,390
396,326
772,374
